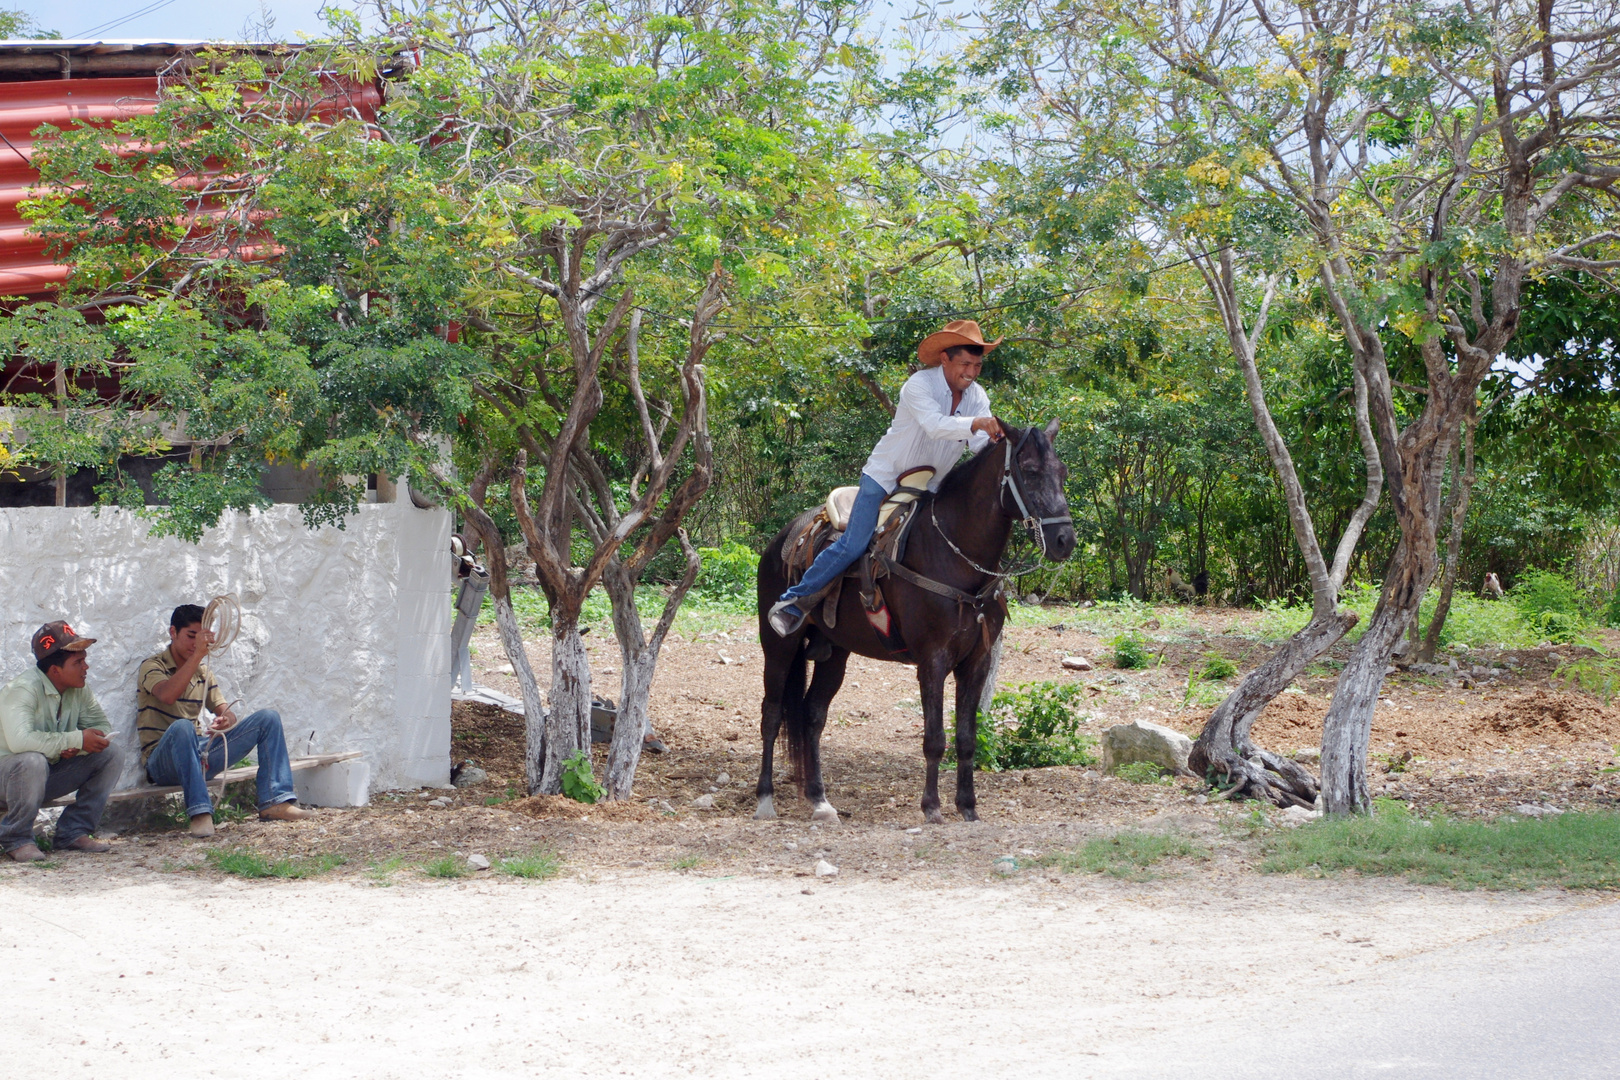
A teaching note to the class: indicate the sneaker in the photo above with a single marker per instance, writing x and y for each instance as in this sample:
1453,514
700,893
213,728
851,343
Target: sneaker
84,843
284,811
786,618
27,853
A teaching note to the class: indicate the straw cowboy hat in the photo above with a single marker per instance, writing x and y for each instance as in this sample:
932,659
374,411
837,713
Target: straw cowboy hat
962,332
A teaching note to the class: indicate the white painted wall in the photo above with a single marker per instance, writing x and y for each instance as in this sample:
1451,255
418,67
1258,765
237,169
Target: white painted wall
345,631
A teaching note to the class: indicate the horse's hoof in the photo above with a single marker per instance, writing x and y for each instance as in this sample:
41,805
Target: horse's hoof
970,814
825,813
765,811
934,817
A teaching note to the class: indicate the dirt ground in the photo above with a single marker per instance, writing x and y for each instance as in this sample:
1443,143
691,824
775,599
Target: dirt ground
680,941
1511,737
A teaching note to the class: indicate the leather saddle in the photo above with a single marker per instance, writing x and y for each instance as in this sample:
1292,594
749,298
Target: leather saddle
888,542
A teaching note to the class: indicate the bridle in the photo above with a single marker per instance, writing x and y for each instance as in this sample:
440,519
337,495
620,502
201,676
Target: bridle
1013,480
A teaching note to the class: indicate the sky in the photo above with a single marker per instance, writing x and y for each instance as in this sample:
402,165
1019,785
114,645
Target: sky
171,19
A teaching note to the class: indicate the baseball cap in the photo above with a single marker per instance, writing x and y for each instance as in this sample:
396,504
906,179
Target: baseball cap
58,635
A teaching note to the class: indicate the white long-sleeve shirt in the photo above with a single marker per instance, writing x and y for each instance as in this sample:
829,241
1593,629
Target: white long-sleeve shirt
925,430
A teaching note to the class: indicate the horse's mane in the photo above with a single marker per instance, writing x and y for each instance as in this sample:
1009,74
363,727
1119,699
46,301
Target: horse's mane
963,474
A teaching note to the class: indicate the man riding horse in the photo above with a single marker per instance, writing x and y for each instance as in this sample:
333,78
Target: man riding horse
942,411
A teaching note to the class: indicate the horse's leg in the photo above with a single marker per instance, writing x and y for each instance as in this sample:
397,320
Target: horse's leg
970,676
824,685
784,687
931,688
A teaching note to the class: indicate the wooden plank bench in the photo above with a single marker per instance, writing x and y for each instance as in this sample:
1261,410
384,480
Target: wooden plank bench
246,772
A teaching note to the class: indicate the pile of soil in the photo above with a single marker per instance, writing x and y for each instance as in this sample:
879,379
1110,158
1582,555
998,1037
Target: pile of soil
561,807
1547,718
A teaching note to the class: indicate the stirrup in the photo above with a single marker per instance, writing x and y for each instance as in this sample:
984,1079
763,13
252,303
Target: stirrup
784,624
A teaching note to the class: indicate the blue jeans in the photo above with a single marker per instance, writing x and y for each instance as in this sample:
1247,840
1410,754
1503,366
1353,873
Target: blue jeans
178,759
831,564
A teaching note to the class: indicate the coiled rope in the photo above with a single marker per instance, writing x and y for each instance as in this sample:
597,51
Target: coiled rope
223,616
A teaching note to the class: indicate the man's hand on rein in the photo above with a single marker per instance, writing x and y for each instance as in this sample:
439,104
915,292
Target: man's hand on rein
990,426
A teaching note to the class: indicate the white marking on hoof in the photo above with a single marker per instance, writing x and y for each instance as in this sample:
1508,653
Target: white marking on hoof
825,813
765,811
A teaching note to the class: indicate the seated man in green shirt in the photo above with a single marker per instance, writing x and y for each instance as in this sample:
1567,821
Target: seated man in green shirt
53,740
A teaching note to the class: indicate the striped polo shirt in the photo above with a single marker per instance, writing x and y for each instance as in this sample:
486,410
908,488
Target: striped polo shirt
154,716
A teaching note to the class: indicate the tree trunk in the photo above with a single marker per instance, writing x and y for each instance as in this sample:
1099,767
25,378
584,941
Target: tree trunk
1224,748
639,654
1462,488
506,623
568,725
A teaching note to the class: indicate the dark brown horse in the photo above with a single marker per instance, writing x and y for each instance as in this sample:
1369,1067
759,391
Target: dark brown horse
945,600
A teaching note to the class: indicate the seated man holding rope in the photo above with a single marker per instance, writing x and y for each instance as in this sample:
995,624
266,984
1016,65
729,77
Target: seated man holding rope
170,692
942,412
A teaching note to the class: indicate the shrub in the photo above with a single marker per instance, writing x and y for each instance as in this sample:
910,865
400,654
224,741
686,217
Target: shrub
578,782
1130,650
728,571
1550,604
1032,726
1216,667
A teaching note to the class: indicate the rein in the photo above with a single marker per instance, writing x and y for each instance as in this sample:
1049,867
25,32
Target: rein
1012,479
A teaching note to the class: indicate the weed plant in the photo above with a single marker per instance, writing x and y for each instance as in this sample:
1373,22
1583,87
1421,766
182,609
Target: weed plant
447,866
1126,854
578,782
1572,850
685,863
1131,651
250,864
535,866
1030,727
1596,675
381,872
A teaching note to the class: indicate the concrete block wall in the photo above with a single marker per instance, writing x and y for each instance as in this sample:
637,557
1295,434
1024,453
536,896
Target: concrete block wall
344,631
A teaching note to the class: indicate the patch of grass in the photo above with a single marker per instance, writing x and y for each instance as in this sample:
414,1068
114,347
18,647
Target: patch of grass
535,866
1216,667
1125,855
449,866
1143,772
250,864
496,800
686,862
381,872
1572,850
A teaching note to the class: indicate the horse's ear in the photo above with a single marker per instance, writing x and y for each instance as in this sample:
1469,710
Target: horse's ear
1052,429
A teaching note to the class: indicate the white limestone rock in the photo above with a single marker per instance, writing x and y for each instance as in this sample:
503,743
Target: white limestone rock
1076,663
1143,741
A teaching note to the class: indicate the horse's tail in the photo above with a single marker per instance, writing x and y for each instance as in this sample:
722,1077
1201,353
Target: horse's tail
796,718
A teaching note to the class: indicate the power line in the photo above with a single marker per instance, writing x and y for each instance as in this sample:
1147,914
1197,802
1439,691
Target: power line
120,21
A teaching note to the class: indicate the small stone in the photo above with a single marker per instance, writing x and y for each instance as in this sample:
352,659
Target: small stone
664,805
1076,663
703,802
825,869
1296,815
724,659
1006,866
1200,799
478,862
1307,754
915,830
791,845
1143,741
470,775
504,669
723,779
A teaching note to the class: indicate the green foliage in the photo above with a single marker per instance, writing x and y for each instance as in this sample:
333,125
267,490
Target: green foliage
1216,667
686,862
1126,854
1596,675
1550,605
578,782
446,866
1131,651
18,25
535,866
729,572
250,864
1143,772
1030,727
381,872
1571,850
